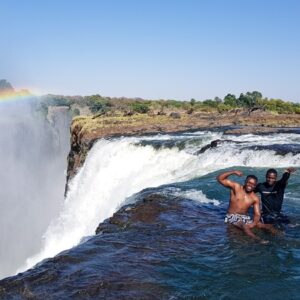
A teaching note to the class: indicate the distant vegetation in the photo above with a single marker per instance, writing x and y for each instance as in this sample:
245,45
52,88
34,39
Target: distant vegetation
6,89
99,105
5,86
246,103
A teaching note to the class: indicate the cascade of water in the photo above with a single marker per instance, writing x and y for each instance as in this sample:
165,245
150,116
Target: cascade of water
33,160
116,169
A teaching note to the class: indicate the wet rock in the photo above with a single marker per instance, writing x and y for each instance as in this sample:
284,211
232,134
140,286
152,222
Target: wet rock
278,148
126,260
83,136
145,211
262,129
215,144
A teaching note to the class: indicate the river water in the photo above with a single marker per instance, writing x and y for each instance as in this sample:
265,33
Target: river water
161,232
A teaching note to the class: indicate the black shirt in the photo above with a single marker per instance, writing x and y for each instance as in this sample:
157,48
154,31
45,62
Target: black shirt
272,196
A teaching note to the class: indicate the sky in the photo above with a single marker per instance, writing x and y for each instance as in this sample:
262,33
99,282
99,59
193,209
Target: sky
153,49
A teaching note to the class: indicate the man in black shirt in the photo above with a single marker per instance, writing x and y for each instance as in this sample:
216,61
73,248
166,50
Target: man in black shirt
272,193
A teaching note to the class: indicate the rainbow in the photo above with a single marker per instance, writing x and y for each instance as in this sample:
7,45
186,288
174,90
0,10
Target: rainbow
8,96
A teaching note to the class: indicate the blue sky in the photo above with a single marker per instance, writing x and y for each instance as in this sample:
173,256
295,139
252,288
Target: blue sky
152,49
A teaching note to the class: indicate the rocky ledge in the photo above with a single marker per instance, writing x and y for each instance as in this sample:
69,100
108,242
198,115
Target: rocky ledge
85,130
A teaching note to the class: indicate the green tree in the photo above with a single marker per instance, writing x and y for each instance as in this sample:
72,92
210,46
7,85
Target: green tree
192,102
230,100
210,102
250,101
218,100
98,103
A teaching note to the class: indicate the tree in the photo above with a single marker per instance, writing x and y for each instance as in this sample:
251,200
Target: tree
250,101
98,103
230,100
218,100
192,104
210,102
5,86
75,112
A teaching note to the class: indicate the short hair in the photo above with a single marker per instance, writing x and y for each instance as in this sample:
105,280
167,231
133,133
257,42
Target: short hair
271,171
252,176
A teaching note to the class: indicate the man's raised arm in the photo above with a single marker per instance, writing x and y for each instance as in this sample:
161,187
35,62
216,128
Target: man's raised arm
286,175
223,178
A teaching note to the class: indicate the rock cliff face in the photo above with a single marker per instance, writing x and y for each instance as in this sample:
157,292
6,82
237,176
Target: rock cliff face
85,130
79,149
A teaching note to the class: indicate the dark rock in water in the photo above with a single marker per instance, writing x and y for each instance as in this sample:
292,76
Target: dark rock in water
158,144
135,255
280,149
146,211
215,144
262,129
163,247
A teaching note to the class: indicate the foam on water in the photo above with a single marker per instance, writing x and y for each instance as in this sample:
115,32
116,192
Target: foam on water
280,138
191,194
101,185
116,169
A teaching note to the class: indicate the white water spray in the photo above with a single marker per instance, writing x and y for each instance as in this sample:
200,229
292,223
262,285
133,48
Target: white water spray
115,170
33,161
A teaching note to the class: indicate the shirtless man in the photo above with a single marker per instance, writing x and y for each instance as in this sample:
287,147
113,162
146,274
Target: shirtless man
242,197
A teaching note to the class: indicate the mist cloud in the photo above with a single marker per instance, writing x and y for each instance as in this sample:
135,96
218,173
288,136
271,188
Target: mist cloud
33,160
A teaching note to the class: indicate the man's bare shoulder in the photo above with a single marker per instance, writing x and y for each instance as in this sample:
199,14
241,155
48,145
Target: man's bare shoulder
237,185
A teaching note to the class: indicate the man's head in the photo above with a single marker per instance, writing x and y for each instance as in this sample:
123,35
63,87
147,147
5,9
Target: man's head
250,183
271,176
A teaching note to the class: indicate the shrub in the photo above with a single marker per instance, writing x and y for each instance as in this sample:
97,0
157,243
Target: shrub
98,103
138,107
223,107
75,112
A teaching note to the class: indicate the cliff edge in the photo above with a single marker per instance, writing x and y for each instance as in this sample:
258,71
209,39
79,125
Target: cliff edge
85,130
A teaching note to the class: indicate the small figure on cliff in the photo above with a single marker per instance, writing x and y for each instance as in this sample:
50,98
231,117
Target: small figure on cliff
272,194
242,197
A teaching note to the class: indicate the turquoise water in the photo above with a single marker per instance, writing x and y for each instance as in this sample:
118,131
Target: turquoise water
235,267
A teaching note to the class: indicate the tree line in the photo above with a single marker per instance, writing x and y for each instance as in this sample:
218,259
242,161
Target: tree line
247,102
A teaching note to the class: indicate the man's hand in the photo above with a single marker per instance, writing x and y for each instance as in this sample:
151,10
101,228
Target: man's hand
238,173
290,170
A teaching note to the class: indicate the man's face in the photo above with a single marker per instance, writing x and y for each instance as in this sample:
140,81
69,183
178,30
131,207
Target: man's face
271,178
250,185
